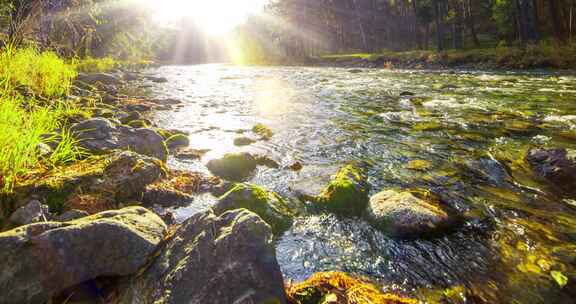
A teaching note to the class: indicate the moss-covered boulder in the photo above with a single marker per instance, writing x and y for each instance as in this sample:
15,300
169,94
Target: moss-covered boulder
213,259
177,141
233,166
42,259
403,214
338,287
272,208
346,193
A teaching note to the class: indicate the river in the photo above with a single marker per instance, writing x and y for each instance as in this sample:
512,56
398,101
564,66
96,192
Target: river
461,135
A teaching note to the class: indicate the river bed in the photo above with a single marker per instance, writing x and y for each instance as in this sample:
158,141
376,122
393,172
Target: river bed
461,135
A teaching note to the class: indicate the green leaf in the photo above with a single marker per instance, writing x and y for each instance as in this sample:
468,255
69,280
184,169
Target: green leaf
560,278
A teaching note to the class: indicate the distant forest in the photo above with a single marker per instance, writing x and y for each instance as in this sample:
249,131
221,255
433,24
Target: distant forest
308,27
288,28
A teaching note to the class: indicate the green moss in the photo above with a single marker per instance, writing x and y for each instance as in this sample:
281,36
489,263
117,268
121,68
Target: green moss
263,131
347,192
272,208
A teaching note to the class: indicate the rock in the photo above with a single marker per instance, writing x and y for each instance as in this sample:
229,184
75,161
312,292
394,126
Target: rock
211,260
99,135
129,174
178,188
406,93
355,71
267,204
347,192
156,79
296,166
190,154
130,116
233,166
130,76
403,214
103,78
243,141
263,160
165,197
338,287
177,141
71,215
41,260
33,212
556,166
263,131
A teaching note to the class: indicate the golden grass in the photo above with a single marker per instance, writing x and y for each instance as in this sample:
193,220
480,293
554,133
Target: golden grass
340,288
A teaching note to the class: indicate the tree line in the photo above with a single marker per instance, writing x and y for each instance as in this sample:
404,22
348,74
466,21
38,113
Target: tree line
307,27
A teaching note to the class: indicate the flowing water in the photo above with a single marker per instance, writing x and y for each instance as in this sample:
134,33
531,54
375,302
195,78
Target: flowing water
468,133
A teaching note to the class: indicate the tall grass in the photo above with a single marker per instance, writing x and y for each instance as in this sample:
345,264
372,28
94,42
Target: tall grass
25,122
42,72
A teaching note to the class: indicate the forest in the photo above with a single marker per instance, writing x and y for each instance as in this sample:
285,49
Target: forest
287,151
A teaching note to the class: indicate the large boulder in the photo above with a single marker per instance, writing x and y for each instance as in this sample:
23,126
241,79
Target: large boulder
99,135
267,204
405,215
41,260
556,166
213,259
233,166
347,192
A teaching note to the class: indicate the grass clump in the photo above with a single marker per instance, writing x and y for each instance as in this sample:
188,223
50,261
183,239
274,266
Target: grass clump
95,65
44,73
337,287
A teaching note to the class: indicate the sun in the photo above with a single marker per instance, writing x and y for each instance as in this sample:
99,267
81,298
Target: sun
215,17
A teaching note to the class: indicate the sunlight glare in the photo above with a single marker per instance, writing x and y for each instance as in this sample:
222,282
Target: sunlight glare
215,17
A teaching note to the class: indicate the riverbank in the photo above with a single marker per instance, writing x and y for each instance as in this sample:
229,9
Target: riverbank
499,58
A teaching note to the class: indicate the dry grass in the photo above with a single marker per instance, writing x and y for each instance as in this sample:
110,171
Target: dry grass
337,287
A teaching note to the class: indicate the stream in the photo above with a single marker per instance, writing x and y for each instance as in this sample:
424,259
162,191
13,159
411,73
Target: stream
459,134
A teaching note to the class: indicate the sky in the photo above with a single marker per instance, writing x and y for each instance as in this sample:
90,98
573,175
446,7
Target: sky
216,17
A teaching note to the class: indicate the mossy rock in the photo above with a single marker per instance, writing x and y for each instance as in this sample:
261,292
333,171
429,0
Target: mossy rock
272,208
338,287
233,166
176,141
263,131
347,192
243,141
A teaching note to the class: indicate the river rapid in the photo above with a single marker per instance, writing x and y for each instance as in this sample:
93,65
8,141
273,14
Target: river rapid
461,135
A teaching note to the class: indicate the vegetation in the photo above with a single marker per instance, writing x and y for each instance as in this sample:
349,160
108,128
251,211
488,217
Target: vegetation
28,124
304,28
337,287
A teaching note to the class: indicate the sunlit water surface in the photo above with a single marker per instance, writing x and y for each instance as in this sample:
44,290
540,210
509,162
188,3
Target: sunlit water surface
473,127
